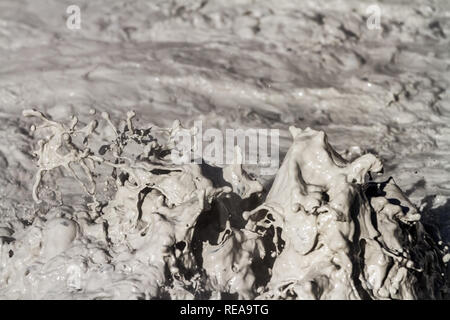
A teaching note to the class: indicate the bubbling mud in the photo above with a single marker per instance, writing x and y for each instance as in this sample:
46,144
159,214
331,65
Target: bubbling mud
324,230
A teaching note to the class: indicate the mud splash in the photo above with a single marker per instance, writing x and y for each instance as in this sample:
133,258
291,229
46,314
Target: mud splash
155,229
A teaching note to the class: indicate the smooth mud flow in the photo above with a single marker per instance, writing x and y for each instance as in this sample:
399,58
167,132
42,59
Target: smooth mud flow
154,229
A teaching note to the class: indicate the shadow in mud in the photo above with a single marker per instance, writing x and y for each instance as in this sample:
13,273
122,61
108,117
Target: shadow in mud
440,223
439,216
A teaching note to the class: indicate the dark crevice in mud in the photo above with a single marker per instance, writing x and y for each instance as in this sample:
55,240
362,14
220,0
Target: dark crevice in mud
356,251
207,228
123,176
361,255
248,204
180,245
163,171
262,266
215,174
229,296
106,229
397,202
103,149
141,198
281,242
